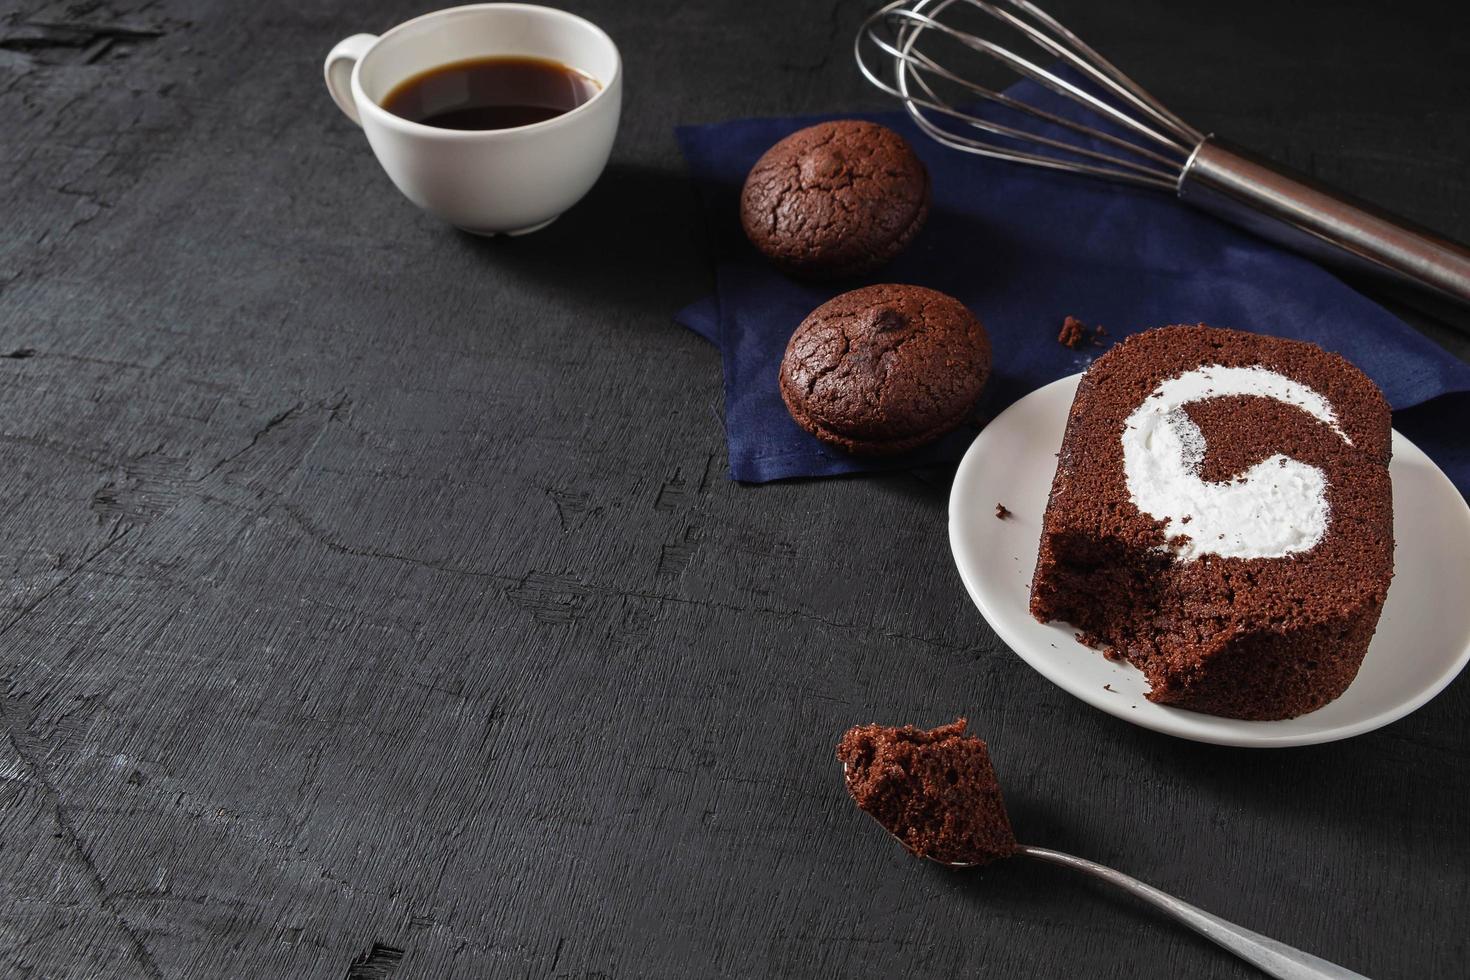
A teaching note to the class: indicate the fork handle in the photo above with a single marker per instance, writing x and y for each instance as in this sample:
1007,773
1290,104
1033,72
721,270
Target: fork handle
1275,959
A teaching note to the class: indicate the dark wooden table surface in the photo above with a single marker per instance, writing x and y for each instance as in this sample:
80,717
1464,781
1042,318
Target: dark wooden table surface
376,603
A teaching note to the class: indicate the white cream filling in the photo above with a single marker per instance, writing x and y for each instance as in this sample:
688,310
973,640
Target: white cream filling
1275,508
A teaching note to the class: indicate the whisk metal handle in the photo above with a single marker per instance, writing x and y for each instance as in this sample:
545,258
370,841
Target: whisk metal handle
1291,210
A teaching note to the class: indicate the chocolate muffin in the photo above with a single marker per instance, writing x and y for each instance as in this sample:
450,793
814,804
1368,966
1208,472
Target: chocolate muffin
934,790
836,199
884,369
1222,517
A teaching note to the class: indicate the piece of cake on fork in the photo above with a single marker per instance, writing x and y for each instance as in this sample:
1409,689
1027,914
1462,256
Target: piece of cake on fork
1222,518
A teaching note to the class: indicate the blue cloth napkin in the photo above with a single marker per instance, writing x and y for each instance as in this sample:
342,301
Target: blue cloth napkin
1024,248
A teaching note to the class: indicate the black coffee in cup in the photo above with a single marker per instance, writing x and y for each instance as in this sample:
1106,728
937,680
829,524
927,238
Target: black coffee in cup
490,93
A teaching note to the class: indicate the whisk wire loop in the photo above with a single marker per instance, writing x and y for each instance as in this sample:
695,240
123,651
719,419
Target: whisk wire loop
896,31
934,103
1186,133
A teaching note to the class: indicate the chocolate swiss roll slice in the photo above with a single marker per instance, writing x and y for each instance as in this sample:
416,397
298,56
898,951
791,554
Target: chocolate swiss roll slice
1222,518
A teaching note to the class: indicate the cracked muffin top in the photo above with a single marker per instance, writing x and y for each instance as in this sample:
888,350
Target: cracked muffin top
836,199
884,369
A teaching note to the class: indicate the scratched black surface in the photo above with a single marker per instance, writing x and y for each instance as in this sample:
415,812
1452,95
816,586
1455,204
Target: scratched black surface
376,605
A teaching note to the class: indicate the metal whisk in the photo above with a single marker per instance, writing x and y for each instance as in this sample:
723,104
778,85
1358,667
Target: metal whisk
1147,146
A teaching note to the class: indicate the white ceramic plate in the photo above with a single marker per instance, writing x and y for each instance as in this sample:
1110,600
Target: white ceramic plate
1423,637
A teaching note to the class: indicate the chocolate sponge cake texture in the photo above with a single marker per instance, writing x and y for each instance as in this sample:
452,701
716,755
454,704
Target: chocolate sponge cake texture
1222,518
935,790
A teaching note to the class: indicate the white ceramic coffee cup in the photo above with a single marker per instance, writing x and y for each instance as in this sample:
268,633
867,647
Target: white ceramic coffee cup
500,181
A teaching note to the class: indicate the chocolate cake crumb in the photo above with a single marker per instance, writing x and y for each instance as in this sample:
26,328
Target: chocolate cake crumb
934,790
1073,334
1002,511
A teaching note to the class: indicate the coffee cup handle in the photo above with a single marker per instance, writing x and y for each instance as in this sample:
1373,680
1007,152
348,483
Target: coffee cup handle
338,71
